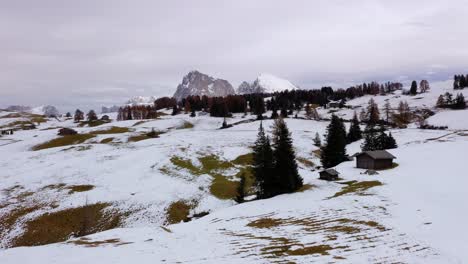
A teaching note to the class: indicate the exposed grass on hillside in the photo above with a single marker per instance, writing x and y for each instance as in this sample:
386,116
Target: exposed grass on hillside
178,212
92,123
79,188
64,141
9,219
111,130
305,187
86,242
145,136
222,186
57,226
107,140
356,187
306,162
185,125
244,160
139,123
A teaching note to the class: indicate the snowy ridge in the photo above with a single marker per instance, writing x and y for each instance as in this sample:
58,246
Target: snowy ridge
141,100
269,83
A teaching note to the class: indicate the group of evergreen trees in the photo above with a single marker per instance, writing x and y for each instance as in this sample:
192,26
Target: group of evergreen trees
375,138
447,101
137,112
333,152
275,167
460,81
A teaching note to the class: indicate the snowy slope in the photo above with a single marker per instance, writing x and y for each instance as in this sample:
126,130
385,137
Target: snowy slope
414,213
268,83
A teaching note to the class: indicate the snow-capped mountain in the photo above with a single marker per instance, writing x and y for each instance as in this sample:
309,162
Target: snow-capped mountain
266,83
141,100
197,83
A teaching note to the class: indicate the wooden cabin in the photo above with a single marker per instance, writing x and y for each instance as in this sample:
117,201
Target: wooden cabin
374,160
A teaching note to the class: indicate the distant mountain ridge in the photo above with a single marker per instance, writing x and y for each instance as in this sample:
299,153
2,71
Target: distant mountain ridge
266,83
197,83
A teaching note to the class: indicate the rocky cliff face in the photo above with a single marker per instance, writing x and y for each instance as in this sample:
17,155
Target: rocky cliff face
197,83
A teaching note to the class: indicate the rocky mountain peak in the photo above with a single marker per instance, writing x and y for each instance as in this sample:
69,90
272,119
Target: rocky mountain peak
197,83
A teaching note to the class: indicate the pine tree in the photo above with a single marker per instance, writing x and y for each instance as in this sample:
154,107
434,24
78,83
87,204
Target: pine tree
240,197
459,102
391,142
91,115
263,165
68,115
285,159
414,88
79,115
317,140
355,132
370,138
373,114
387,110
334,150
440,101
274,114
192,114
175,110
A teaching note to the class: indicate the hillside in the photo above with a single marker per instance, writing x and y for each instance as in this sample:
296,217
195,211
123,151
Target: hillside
132,193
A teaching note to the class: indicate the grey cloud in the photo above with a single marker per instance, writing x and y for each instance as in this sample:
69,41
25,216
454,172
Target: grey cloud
90,52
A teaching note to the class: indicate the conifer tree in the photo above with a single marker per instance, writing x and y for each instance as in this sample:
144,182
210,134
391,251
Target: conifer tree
387,110
285,159
334,150
79,115
414,88
192,114
68,115
263,165
274,114
91,115
373,114
317,140
240,197
355,132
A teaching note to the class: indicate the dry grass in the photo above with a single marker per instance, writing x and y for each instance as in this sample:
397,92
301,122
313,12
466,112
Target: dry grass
265,223
306,162
79,188
185,125
63,141
305,187
58,226
178,212
356,187
111,130
86,242
92,123
107,140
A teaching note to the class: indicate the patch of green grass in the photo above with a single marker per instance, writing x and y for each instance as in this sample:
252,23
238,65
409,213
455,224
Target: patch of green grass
57,226
212,162
63,141
111,130
185,164
244,160
178,212
356,187
221,187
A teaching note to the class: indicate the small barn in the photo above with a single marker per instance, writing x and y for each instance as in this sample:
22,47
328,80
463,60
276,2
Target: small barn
374,160
329,175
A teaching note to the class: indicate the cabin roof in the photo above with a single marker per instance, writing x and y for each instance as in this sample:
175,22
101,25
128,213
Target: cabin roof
377,154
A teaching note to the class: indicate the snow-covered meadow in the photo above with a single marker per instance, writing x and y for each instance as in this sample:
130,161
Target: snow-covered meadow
413,213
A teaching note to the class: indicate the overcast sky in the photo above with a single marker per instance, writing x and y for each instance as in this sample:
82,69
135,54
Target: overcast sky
91,53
